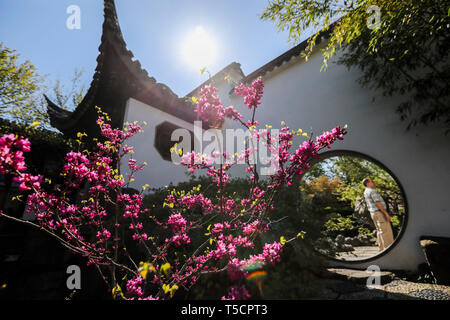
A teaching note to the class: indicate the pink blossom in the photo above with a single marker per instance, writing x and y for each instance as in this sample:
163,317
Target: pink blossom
252,95
177,222
237,293
134,286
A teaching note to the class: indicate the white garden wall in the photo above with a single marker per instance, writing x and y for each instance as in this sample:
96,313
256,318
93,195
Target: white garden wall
309,99
306,98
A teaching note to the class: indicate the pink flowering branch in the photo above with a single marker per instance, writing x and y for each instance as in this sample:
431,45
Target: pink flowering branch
169,260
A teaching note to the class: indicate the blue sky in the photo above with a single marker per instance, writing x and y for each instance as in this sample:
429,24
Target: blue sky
153,29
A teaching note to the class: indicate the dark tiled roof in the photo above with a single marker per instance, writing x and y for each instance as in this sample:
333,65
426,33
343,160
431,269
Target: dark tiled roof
116,70
219,76
285,57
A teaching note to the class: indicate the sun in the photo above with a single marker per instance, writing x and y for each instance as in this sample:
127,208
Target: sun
199,49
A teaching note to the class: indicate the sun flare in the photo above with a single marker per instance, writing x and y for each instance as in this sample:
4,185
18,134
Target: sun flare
199,49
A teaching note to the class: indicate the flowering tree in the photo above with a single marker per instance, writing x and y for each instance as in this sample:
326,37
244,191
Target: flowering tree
86,213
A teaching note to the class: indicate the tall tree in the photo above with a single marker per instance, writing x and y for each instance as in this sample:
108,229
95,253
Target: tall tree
22,90
69,98
405,53
19,83
352,170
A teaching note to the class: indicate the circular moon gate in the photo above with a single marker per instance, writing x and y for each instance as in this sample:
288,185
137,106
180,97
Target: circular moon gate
333,192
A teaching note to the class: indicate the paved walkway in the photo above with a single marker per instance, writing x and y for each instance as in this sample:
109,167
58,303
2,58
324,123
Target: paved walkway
350,284
359,253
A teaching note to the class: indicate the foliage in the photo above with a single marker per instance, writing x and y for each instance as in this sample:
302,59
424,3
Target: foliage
324,196
333,188
339,223
96,215
69,99
19,83
295,277
396,223
322,184
362,231
406,54
22,91
49,147
329,215
352,170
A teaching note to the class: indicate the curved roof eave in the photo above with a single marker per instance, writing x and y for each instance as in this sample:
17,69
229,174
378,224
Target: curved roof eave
112,37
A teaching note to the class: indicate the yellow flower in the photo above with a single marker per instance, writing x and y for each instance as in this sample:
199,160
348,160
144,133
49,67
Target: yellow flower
170,289
301,234
144,268
117,291
166,268
170,205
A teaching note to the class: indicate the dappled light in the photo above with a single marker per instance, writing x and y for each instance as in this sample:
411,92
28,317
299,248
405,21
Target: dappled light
335,193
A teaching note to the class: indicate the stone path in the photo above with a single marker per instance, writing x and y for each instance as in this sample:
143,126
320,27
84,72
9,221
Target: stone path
350,284
359,253
359,276
424,291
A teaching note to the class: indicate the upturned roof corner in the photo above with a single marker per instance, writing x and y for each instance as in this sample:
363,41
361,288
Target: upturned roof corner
117,77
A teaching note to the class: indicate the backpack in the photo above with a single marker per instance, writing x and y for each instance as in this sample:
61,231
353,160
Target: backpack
361,211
